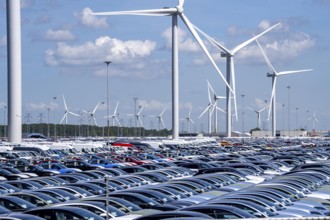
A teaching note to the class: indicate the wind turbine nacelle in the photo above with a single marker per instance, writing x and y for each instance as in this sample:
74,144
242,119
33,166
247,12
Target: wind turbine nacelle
270,74
223,54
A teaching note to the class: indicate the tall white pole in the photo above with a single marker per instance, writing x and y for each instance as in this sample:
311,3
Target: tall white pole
108,128
289,111
175,78
274,109
228,96
216,116
14,71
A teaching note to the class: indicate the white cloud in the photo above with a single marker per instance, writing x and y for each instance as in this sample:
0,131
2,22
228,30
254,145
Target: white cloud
185,44
39,106
260,103
129,57
86,18
154,105
3,41
58,35
289,48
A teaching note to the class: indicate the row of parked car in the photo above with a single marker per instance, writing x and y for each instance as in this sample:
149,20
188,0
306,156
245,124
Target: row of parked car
208,182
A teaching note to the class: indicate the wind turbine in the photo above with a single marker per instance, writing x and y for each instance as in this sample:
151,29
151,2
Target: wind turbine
91,114
174,12
313,119
189,119
66,113
137,116
258,114
160,119
215,107
114,116
274,74
230,76
209,108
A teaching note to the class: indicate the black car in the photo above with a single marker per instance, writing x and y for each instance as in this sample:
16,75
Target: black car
37,170
82,165
174,214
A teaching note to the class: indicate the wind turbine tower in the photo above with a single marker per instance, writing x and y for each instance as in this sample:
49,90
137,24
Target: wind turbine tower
230,75
14,71
174,12
274,74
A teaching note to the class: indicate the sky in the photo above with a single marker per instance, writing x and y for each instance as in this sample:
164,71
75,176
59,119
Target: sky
64,48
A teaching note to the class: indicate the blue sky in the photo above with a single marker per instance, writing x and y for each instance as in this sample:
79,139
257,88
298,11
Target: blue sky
64,48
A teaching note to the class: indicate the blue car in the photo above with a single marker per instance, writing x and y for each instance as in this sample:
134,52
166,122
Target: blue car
104,163
58,167
151,157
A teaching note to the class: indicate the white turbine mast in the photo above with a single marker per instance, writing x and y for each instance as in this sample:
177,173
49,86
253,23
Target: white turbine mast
274,74
229,54
66,113
258,112
160,119
209,108
175,12
189,120
114,116
91,114
313,119
138,117
215,107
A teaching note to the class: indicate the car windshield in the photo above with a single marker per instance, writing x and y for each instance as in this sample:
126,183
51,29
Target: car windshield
14,201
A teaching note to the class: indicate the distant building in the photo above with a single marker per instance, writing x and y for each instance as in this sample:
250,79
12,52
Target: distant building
280,134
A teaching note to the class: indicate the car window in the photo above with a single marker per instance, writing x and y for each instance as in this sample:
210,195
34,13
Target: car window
64,215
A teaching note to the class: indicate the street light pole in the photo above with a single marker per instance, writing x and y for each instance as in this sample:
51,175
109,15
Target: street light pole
243,114
289,87
54,98
108,133
48,132
297,124
283,115
4,122
135,117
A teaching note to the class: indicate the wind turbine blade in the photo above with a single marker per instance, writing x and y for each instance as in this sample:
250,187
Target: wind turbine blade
149,12
251,109
200,42
140,110
293,71
208,91
272,96
266,58
117,121
141,123
242,45
71,113
263,109
181,3
97,105
214,42
213,108
115,112
189,112
232,68
162,112
65,106
205,110
192,121
161,119
222,110
64,116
